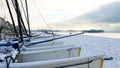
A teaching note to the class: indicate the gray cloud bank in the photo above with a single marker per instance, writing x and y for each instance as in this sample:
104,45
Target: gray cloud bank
106,17
109,13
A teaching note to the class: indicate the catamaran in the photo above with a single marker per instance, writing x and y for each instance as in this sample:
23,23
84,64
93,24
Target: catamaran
13,56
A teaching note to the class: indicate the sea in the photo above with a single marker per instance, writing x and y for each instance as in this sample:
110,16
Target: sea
108,35
102,34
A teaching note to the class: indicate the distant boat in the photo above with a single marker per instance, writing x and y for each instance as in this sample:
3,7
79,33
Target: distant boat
93,31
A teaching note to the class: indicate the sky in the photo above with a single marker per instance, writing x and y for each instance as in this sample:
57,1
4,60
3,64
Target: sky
73,14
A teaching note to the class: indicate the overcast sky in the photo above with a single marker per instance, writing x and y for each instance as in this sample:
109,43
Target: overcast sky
105,17
72,14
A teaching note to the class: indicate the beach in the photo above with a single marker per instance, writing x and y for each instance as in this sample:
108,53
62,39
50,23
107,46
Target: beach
97,45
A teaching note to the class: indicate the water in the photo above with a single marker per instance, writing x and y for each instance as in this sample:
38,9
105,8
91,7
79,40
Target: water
108,35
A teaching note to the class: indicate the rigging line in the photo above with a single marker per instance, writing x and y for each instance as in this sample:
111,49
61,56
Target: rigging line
41,15
13,5
43,9
23,9
44,19
22,22
24,14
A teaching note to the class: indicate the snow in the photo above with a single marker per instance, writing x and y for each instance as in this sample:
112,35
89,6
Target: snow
93,45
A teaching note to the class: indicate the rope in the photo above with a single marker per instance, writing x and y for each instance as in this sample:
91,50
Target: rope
8,62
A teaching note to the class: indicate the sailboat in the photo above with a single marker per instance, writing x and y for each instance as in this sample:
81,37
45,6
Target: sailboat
47,57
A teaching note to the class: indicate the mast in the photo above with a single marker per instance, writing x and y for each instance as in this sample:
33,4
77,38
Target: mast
21,25
19,21
12,18
28,18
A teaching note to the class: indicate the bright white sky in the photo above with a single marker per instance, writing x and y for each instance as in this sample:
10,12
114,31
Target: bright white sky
60,9
54,11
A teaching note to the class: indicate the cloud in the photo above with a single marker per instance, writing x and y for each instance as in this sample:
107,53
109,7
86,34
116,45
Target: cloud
109,13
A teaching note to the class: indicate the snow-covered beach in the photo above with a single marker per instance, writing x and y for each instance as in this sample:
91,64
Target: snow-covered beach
93,45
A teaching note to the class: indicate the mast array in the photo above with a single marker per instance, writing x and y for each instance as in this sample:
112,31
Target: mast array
21,26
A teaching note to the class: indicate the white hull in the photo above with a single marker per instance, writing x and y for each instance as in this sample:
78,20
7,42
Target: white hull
45,47
76,62
50,54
